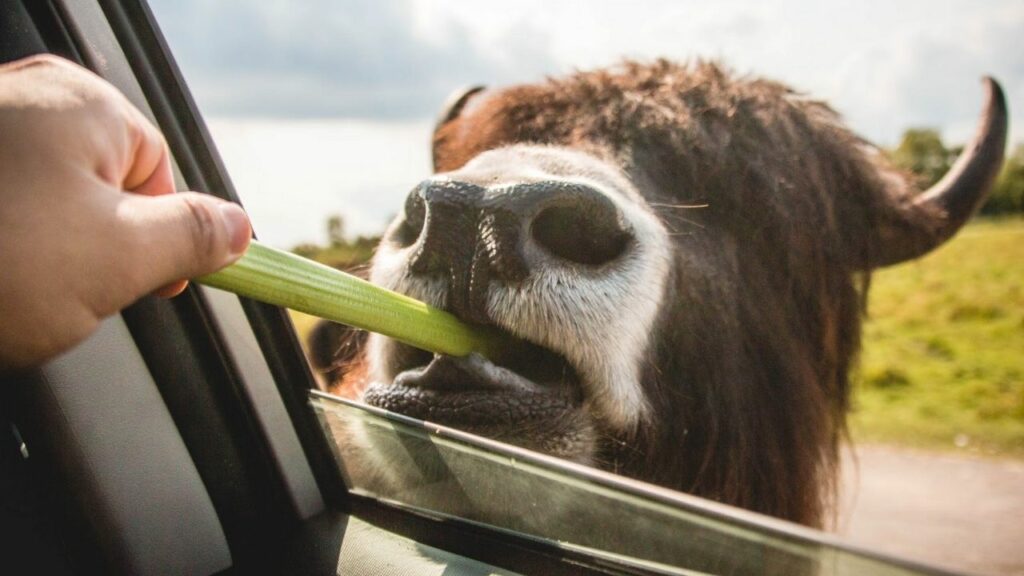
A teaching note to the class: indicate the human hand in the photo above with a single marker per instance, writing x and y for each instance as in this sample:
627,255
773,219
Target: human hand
74,247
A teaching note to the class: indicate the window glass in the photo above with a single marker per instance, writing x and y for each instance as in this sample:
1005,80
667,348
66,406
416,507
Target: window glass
442,471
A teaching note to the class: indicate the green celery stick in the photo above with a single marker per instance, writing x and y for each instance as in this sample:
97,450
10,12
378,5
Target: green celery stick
284,279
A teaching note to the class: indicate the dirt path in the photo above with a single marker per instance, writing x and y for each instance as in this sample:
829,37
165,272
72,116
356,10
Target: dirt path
951,511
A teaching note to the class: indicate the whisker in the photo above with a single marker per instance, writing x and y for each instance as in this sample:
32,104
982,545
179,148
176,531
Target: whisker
679,206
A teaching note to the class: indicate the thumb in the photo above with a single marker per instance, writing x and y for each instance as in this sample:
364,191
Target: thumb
182,236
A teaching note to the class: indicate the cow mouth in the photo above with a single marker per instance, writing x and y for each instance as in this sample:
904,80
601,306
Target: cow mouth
525,384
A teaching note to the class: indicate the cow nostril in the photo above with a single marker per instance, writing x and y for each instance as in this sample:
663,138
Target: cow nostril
586,234
414,218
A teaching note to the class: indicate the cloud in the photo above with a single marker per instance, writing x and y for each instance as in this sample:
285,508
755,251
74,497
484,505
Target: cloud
931,79
352,58
884,68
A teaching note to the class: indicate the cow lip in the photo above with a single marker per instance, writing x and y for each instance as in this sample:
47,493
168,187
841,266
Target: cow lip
524,382
473,372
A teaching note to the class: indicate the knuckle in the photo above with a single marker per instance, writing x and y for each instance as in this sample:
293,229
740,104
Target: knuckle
201,224
46,60
61,71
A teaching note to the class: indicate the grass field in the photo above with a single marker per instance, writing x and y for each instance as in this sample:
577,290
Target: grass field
943,358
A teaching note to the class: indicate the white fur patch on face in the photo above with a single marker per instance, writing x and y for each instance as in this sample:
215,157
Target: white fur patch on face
600,319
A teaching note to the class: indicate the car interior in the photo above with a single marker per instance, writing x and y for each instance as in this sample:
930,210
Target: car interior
188,436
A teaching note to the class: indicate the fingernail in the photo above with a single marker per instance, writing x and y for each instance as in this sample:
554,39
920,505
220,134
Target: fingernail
236,221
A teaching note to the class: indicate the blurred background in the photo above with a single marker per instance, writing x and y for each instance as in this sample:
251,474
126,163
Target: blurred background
322,111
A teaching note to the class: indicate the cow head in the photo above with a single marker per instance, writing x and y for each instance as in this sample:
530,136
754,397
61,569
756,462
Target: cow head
678,258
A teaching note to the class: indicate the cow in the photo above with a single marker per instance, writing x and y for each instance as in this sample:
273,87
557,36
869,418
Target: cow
679,257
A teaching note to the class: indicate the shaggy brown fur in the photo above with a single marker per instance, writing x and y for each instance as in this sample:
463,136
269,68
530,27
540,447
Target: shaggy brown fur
766,322
768,199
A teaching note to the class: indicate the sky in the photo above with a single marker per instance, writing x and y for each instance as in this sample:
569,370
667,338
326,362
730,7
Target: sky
283,83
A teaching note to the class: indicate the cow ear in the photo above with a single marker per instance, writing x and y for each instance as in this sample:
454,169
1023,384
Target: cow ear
451,109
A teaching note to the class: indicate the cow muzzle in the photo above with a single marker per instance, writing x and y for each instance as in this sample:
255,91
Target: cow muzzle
471,236
554,250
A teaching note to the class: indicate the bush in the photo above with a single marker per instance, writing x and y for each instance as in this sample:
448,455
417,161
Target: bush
1008,195
340,253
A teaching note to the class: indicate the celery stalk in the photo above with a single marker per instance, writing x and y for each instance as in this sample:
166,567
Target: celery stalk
284,279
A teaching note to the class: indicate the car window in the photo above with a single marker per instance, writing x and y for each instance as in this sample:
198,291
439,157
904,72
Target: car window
760,260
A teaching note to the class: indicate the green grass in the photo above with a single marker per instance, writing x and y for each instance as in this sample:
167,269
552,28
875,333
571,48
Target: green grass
303,324
943,349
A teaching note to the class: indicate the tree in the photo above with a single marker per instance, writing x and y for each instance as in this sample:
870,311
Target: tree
1008,195
336,231
922,152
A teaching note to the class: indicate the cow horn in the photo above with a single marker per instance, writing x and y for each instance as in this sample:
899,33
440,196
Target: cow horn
934,216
